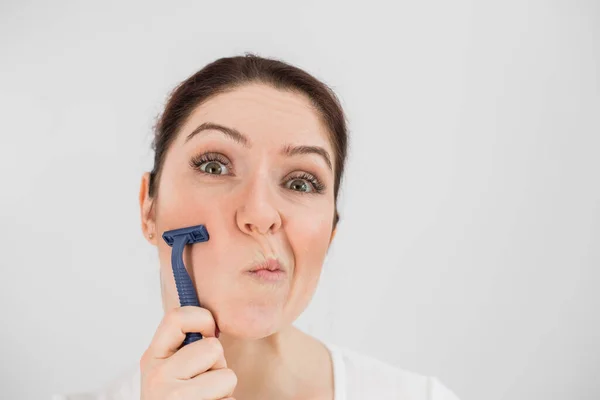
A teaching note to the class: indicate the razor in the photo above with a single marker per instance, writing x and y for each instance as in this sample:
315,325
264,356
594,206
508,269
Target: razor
177,239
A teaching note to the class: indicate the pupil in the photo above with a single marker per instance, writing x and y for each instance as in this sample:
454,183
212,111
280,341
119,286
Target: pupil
213,168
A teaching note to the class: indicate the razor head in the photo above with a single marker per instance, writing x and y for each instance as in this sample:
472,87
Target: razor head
195,234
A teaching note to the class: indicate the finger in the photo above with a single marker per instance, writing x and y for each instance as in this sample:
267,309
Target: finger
211,385
175,324
195,358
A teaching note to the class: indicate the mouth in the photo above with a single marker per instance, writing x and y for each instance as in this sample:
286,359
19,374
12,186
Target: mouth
268,271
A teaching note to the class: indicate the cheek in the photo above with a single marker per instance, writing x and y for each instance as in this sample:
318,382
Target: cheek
184,201
309,238
180,204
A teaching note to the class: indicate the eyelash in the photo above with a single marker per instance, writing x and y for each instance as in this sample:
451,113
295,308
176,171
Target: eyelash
197,161
200,159
316,184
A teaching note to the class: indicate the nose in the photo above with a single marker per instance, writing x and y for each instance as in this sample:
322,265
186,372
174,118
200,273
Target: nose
257,212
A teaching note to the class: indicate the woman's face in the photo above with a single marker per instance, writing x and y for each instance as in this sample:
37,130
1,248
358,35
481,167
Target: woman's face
258,173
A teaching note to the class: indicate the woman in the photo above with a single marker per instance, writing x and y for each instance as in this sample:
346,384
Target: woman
254,149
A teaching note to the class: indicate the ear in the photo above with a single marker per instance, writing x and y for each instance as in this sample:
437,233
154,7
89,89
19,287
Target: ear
147,210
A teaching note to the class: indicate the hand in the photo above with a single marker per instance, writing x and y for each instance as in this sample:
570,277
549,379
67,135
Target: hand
196,371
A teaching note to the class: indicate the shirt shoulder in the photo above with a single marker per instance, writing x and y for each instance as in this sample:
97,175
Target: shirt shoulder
359,376
125,386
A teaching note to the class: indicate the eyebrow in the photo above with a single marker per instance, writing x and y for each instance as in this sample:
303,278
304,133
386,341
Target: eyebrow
293,150
242,139
229,132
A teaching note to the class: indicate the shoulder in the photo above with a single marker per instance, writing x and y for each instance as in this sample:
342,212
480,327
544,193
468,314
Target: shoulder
125,386
361,376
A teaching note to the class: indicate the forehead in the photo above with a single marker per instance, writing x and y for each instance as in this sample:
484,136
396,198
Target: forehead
266,115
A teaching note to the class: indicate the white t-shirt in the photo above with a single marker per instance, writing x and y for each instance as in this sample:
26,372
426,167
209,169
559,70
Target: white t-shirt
355,376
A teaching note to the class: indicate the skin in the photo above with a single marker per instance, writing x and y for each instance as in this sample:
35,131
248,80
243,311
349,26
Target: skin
256,204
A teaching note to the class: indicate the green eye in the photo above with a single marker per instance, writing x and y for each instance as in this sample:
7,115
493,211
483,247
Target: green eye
213,168
299,185
304,182
211,164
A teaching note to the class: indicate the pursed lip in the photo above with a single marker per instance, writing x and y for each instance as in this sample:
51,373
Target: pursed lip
270,264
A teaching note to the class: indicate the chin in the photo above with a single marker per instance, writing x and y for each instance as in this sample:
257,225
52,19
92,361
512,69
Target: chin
250,322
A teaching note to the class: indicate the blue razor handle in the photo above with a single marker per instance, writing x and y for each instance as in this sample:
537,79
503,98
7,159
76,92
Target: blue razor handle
177,239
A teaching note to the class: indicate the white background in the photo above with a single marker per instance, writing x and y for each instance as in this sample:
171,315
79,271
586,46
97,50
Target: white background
468,245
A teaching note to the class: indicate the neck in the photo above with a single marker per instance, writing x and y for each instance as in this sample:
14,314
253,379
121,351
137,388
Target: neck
282,365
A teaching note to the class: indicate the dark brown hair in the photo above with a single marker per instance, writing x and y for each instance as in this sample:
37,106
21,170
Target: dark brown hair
225,74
